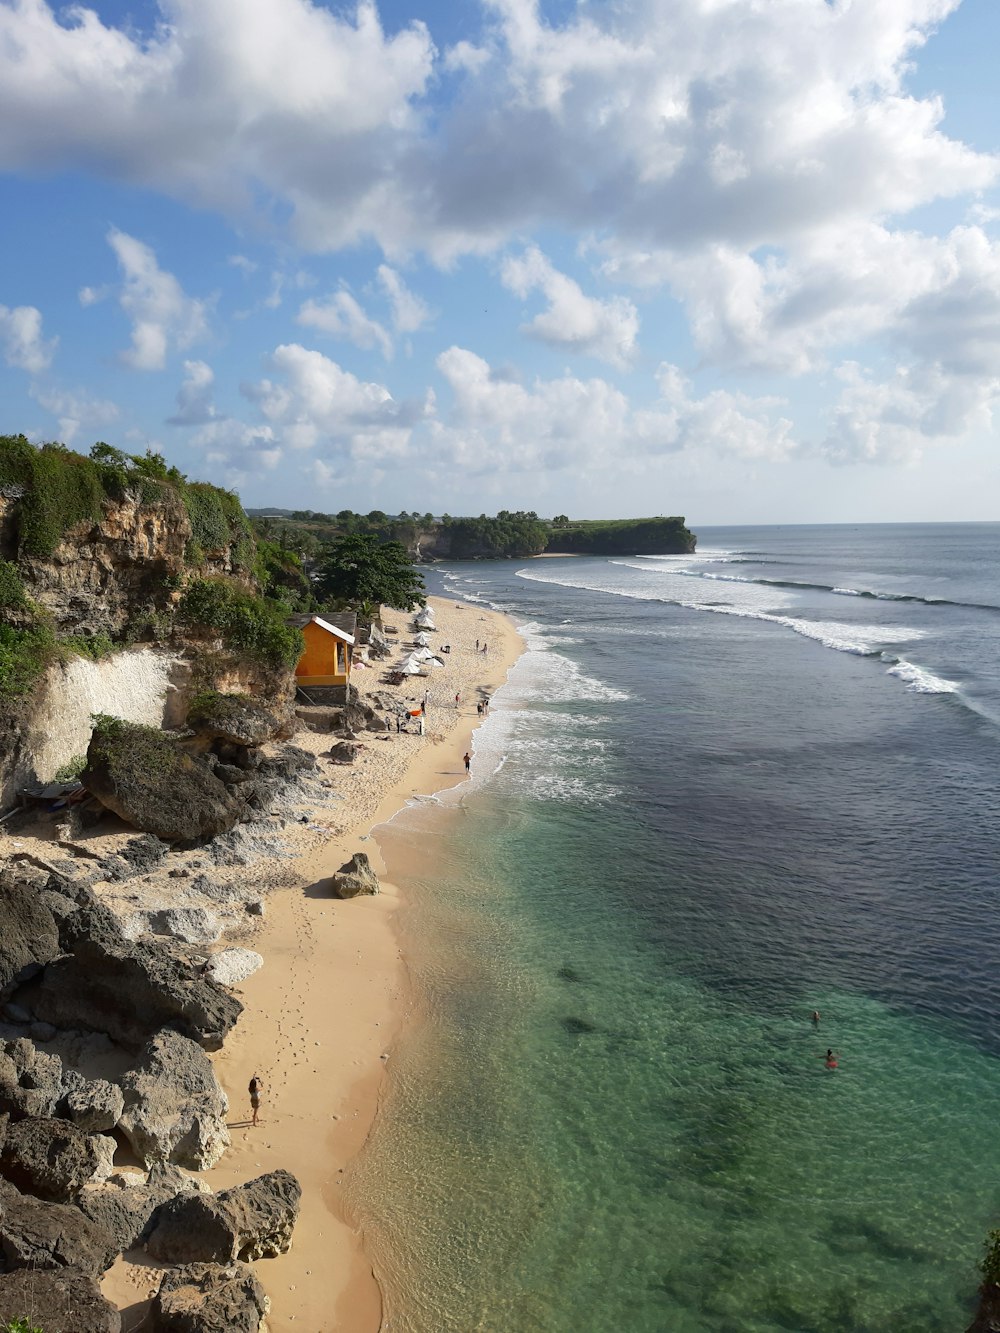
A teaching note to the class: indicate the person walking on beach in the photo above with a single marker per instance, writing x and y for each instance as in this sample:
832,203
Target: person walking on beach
427,699
479,708
467,760
255,1089
458,700
477,645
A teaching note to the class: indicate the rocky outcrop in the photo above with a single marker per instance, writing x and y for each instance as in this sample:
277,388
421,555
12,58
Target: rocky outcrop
209,1298
149,780
192,925
126,1206
232,966
987,1318
92,1105
175,1110
253,1221
236,719
53,1159
34,1234
354,877
126,989
29,937
63,1300
31,1081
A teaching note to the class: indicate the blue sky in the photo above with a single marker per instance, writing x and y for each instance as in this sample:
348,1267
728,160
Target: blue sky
718,257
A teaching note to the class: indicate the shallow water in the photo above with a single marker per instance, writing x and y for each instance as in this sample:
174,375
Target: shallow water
687,830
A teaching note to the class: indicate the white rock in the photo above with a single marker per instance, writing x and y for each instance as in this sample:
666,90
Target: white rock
233,965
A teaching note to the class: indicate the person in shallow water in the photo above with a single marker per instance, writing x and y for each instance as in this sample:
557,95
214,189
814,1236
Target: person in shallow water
831,1059
815,1015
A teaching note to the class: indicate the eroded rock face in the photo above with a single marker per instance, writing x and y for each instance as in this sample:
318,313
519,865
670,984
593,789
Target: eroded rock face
209,1298
175,1110
53,1159
34,1234
30,1080
126,989
29,937
126,1207
252,1221
354,878
236,719
63,1300
92,1105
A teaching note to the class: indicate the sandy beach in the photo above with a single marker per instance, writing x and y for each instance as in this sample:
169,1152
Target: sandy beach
323,1012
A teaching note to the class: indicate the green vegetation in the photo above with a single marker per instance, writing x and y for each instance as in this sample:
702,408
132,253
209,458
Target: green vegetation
361,572
133,753
217,522
20,1326
72,769
12,594
509,534
626,536
94,646
25,654
281,576
249,626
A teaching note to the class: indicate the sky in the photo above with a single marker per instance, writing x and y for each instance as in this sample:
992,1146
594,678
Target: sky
733,259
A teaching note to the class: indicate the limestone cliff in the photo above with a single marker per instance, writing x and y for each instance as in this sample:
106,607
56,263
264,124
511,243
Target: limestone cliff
124,589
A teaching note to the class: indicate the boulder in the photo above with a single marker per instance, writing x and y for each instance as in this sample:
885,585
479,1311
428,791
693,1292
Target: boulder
252,1221
139,856
232,966
126,989
354,878
175,1110
29,937
53,1159
92,1105
193,925
63,1300
34,1234
345,752
234,718
147,778
30,1080
126,1205
209,1298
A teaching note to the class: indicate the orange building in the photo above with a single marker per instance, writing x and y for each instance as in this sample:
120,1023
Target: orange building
329,638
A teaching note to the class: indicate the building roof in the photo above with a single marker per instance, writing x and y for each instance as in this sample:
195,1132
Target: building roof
344,624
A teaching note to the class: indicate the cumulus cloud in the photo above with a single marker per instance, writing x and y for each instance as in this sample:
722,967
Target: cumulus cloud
74,410
342,317
605,329
162,316
499,424
21,339
194,397
409,312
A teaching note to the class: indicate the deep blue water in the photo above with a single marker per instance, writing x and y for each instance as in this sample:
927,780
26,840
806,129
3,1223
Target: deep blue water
718,792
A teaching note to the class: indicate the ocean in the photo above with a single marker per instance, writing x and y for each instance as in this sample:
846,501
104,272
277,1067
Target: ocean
718,792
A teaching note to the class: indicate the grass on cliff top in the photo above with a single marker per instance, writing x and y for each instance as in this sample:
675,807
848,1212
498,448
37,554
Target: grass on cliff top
249,626
63,489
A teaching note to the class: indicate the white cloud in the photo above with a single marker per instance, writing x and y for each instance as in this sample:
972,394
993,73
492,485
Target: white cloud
409,312
605,329
74,410
194,397
497,424
21,339
162,315
241,448
342,317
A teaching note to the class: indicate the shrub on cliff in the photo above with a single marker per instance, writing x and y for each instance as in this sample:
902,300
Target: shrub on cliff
249,626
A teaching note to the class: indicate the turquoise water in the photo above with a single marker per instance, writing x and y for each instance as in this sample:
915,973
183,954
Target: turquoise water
612,1110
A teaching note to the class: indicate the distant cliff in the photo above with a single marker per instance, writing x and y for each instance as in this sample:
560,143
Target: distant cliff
629,536
123,588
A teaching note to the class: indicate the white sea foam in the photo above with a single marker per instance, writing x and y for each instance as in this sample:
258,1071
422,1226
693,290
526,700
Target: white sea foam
921,681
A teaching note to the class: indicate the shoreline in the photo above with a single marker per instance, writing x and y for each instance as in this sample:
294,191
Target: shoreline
323,1014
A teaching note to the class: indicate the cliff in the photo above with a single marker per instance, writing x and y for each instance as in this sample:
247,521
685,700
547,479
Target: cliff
124,589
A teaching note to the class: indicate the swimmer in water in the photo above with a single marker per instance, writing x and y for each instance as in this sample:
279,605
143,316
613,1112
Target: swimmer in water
815,1015
831,1059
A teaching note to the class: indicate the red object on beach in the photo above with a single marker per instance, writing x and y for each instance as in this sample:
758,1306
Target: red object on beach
413,712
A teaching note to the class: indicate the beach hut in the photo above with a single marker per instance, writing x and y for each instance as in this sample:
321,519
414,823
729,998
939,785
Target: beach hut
329,646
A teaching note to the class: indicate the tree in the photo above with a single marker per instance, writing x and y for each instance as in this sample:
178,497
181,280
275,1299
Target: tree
356,569
560,521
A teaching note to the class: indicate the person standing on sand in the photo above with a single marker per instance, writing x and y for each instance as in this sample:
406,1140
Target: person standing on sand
458,700
255,1089
477,645
467,760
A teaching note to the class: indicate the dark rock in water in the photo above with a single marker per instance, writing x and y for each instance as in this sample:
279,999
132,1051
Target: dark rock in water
127,1210
63,1300
34,1235
235,718
30,1079
987,1318
354,878
147,778
577,1026
29,937
126,989
175,1110
252,1221
568,973
209,1298
53,1159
